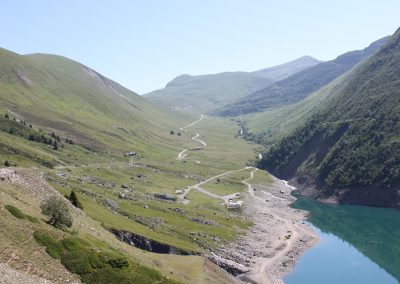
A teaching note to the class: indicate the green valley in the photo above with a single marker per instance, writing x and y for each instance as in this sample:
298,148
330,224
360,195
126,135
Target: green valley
236,177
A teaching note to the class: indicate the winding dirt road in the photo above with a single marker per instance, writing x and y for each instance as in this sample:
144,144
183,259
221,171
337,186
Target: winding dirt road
265,268
181,155
193,123
210,194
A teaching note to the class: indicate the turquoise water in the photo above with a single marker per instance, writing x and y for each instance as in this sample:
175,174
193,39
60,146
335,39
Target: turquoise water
358,244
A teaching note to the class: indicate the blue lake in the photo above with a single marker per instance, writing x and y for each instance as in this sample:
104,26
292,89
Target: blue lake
358,244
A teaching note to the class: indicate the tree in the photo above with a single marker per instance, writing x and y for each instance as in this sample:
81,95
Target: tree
172,132
7,164
7,116
55,146
74,200
56,208
179,134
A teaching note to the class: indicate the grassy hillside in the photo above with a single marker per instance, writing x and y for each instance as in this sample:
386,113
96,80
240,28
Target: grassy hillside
207,92
299,85
269,126
70,125
350,149
55,93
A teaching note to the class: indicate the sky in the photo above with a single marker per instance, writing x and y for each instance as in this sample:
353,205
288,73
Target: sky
145,44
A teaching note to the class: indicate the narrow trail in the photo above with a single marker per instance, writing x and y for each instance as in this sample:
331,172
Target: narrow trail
181,155
193,123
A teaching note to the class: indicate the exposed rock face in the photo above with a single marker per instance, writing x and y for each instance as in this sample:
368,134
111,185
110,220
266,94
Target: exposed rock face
229,266
147,244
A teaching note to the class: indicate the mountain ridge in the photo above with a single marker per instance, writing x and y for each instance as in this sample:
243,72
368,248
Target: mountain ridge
300,85
203,93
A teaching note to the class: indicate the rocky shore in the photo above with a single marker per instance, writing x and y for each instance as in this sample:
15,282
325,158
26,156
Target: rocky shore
272,246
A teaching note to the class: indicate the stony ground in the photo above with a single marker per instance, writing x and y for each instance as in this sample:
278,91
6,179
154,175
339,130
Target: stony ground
276,241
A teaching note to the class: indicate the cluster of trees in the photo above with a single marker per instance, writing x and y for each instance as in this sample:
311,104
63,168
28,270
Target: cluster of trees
21,129
45,139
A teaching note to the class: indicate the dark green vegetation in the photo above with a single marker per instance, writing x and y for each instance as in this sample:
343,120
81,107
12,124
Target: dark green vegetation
208,92
74,200
17,213
353,142
373,231
299,85
94,262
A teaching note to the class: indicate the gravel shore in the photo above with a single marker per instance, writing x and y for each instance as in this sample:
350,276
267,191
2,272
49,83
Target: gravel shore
278,238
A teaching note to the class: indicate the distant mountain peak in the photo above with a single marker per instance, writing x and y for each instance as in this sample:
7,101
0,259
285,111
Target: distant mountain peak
279,72
210,91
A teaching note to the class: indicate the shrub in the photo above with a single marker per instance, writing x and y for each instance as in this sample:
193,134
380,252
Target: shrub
57,210
17,213
7,164
118,262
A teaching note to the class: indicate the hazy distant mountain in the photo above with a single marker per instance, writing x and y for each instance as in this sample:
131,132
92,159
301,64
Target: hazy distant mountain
283,71
207,92
299,85
350,149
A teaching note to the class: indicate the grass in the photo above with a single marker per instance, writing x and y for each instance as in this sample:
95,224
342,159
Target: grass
17,213
262,178
163,175
228,184
16,238
104,126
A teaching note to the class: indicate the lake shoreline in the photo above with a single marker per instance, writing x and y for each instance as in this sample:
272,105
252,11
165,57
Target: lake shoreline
275,242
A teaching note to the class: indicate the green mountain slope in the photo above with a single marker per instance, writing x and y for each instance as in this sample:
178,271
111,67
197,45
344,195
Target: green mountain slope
61,95
269,126
207,92
350,150
299,85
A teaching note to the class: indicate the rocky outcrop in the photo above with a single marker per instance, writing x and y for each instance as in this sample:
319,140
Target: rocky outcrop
147,244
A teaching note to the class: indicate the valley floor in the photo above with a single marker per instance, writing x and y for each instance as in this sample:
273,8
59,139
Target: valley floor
258,243
279,236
